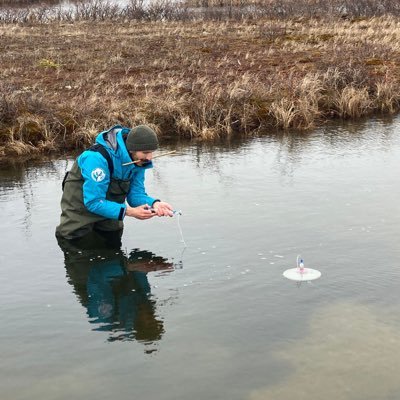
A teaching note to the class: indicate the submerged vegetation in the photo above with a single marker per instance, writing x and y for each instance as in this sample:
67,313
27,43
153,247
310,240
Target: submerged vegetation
201,69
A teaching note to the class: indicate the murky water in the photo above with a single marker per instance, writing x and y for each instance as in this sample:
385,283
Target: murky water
217,321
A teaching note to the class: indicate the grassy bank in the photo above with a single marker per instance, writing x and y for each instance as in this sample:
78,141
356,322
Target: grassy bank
62,82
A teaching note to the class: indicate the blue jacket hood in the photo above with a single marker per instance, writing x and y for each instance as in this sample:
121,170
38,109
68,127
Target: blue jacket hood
113,141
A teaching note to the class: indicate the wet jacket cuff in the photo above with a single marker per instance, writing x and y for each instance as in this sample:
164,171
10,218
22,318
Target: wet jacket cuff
121,214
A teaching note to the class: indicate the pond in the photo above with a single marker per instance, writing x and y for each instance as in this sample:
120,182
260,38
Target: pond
216,319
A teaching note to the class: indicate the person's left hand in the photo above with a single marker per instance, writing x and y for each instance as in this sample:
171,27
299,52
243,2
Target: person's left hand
163,209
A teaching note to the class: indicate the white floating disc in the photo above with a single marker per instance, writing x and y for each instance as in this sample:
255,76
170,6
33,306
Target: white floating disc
304,274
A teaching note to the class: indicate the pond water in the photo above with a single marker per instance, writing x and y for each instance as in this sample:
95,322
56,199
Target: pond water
214,320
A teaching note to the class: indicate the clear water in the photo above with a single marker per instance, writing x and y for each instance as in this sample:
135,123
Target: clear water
218,321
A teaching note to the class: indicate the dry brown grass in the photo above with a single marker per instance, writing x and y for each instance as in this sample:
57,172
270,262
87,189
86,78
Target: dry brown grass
61,83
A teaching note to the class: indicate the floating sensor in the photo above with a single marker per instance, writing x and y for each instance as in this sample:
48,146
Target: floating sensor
300,273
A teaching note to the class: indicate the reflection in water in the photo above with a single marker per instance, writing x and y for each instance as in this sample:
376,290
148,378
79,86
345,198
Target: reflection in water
20,178
294,148
351,352
114,287
291,150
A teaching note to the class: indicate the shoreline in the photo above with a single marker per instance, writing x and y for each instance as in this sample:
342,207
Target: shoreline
62,83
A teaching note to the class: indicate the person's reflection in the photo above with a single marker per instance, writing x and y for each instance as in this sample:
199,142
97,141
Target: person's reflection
114,287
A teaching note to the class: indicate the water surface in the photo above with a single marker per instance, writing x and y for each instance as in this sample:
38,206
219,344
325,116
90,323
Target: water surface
218,320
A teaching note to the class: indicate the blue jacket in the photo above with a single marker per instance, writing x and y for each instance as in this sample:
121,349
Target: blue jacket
96,175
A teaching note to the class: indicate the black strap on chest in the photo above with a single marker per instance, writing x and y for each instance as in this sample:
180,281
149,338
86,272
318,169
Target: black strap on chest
101,149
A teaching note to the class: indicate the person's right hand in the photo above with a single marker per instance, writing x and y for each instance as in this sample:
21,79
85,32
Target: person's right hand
140,212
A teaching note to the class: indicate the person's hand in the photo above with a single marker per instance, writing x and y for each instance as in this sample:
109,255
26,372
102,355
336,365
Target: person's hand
148,266
163,209
140,212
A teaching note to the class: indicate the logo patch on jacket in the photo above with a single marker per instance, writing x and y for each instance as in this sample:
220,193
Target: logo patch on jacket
98,175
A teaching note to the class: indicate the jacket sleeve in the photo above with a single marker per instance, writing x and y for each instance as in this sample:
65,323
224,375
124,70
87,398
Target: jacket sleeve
96,176
137,195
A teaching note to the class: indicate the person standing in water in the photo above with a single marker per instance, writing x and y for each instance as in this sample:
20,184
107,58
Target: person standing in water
101,189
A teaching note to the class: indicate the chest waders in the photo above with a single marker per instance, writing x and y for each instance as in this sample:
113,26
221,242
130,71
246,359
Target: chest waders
76,220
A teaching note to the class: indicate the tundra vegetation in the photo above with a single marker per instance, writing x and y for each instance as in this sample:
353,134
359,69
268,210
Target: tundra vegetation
198,69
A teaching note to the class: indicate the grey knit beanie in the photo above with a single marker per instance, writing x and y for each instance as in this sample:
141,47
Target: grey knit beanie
142,138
